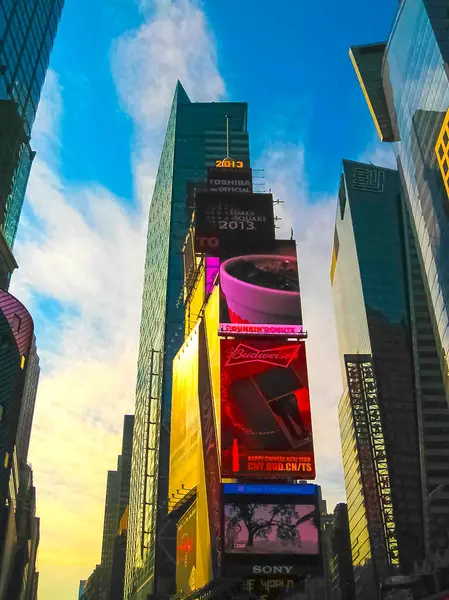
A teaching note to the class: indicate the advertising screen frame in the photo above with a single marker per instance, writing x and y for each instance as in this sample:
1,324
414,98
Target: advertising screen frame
266,425
272,565
232,218
251,303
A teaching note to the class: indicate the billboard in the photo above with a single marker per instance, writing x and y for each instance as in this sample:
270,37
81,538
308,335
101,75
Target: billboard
228,180
232,218
186,552
184,434
210,449
266,427
271,530
260,289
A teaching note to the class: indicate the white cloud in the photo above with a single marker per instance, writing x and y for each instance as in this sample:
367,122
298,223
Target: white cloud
174,44
81,249
380,154
313,227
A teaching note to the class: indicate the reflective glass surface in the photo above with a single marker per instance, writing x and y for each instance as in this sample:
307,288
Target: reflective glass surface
27,32
417,87
371,298
195,139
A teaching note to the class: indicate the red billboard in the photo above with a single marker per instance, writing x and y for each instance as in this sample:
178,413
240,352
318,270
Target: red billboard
266,427
259,289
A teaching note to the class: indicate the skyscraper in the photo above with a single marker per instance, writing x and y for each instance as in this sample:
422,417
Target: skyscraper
195,139
110,526
124,466
27,31
392,412
109,575
340,564
406,85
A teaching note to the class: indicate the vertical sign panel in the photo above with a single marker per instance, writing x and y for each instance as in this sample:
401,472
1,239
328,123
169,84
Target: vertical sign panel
210,450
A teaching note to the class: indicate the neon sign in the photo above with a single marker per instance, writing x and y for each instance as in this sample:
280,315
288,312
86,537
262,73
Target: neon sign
279,357
262,329
228,163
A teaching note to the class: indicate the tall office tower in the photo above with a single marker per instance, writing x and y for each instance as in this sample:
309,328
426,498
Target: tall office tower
27,33
119,560
116,509
195,139
340,564
28,403
406,85
110,527
124,466
393,415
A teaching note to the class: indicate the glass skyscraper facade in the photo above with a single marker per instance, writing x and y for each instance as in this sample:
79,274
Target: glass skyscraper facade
393,411
406,83
27,32
195,139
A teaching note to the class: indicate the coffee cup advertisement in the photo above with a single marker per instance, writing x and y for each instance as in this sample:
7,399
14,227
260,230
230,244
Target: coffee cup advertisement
260,286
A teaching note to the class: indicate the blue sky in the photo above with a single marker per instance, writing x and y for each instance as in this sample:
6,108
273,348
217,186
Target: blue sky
288,60
81,240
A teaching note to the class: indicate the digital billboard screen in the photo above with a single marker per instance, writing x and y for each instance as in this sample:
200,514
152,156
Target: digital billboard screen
266,427
225,180
232,218
271,530
260,288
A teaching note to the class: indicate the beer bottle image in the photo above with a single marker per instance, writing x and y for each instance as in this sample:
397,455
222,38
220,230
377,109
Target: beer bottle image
266,408
235,456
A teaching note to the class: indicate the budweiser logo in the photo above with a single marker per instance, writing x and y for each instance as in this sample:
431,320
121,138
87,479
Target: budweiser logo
280,357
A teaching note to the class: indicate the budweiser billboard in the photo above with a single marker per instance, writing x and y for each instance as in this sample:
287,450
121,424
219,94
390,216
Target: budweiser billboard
266,427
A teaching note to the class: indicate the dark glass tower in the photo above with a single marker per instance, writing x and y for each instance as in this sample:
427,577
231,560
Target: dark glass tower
27,32
341,573
392,412
117,499
406,84
110,527
195,139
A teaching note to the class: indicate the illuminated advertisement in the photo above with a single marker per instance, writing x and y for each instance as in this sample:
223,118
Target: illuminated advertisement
184,434
186,552
269,588
266,427
260,289
210,450
232,218
225,180
270,530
